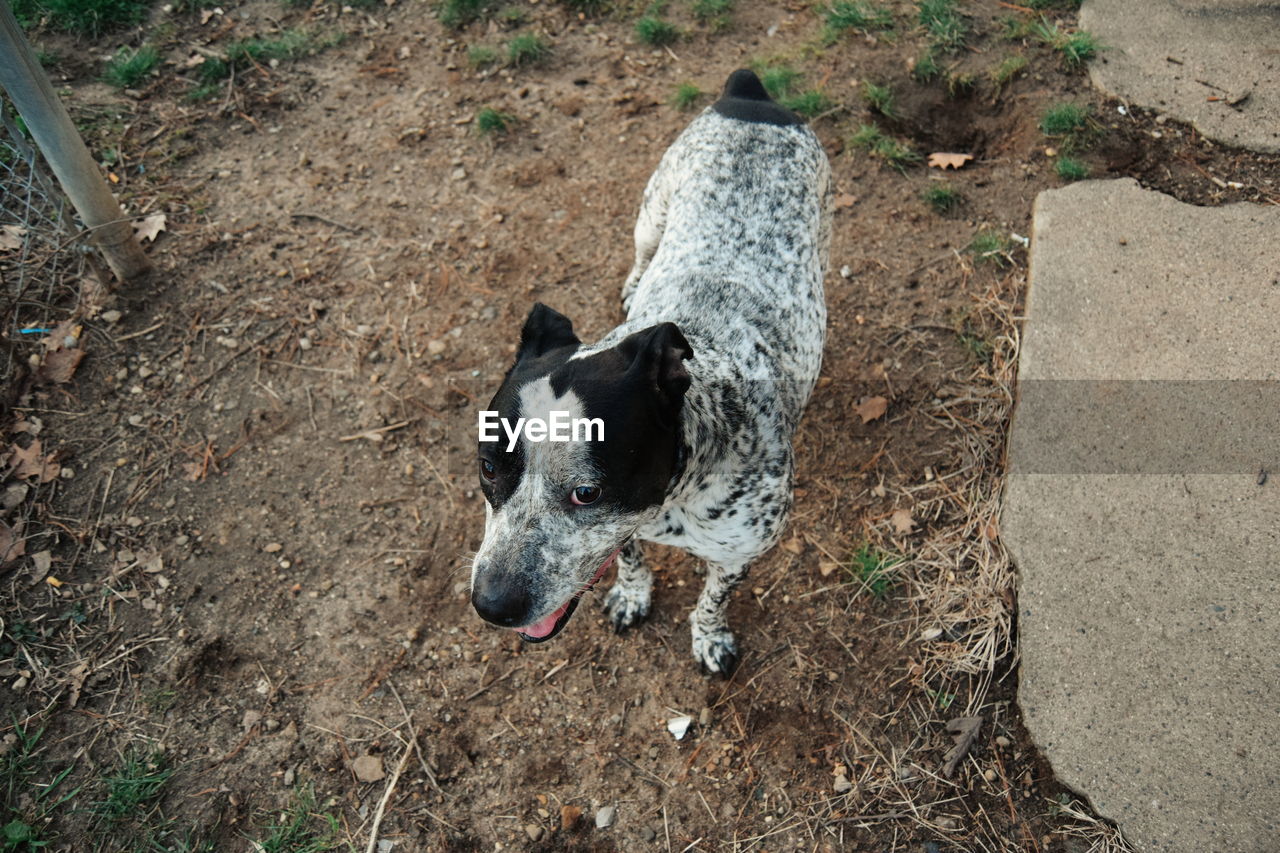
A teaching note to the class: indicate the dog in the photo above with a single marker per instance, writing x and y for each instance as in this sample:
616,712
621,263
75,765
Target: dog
699,391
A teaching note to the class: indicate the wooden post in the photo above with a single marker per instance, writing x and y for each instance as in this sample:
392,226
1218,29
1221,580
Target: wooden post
64,150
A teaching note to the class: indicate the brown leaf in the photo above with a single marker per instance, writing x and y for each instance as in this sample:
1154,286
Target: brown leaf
11,237
943,159
12,545
59,366
569,816
827,567
150,228
41,562
794,545
902,521
30,462
78,674
871,408
963,731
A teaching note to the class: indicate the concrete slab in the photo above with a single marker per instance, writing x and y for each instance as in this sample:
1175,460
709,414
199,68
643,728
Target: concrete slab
1149,592
1177,55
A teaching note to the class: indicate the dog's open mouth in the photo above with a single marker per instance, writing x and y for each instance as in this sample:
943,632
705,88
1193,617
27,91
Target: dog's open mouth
545,629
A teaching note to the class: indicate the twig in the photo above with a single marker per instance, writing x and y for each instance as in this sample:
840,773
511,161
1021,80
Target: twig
480,690
303,214
244,349
145,331
386,795
376,434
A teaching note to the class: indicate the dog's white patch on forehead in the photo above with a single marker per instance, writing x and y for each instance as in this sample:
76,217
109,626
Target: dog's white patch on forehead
556,462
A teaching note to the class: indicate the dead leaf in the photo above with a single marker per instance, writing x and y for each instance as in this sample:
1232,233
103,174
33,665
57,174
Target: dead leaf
150,228
871,408
12,545
992,529
59,366
827,567
963,731
368,768
30,462
902,521
843,200
569,817
41,561
11,237
794,545
943,159
78,674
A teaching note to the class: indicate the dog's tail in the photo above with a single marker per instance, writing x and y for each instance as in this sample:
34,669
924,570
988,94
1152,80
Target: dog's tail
744,98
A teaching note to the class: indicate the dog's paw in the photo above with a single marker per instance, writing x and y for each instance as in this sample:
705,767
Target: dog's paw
716,652
626,607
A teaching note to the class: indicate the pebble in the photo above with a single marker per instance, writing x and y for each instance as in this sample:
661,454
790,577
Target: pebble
364,330
23,681
533,831
122,374
289,776
250,719
435,347
304,343
1001,740
647,834
368,768
112,316
136,420
989,775
181,539
273,548
704,718
569,816
842,785
133,521
145,372
606,816
229,343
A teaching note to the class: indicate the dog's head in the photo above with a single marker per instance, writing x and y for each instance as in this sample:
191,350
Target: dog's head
558,511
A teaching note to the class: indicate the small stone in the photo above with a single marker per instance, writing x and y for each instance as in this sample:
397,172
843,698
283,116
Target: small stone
133,521
304,343
122,374
250,719
112,316
136,420
181,539
989,775
435,347
289,776
606,816
653,752
273,548
647,834
1003,741
368,768
704,718
533,831
21,683
228,342
145,372
842,785
364,330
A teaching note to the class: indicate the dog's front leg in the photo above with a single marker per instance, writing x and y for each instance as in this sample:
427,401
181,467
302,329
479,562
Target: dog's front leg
713,644
627,601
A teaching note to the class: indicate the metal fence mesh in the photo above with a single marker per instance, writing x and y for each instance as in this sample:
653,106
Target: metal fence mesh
42,261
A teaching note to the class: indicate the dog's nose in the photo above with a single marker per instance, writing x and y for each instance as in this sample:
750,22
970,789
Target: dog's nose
500,602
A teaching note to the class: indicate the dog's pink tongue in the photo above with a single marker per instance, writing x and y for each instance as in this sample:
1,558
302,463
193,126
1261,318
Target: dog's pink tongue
538,630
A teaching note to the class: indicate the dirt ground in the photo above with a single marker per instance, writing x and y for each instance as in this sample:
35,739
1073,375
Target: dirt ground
268,496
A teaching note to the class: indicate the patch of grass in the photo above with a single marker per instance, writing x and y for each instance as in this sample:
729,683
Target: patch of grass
714,13
585,7
810,103
26,802
655,31
977,346
943,24
991,246
960,84
942,197
1076,48
511,16
1009,68
481,56
490,121
289,44
877,143
128,67
456,14
301,828
941,698
686,95
1071,124
845,15
879,99
161,700
873,569
1015,27
1071,169
779,80
926,66
83,17
527,49
135,785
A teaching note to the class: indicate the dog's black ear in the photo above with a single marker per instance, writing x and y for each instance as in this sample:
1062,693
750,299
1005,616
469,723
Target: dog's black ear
657,354
545,330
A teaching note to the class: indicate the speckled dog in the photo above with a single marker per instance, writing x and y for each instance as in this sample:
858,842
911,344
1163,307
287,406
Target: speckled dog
699,391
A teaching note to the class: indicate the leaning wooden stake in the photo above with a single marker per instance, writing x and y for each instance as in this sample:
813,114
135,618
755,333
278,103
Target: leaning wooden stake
64,150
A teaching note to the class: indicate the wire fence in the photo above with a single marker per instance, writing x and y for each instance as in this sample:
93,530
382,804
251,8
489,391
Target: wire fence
44,263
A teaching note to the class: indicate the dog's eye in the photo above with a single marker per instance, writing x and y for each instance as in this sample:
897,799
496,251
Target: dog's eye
487,470
583,495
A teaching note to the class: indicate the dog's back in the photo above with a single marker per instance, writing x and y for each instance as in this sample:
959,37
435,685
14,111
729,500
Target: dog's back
733,237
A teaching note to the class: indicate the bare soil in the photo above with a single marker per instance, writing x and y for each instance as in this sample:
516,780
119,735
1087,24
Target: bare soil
263,542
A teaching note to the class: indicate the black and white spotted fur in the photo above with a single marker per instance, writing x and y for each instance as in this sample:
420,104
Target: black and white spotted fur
700,390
